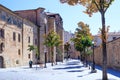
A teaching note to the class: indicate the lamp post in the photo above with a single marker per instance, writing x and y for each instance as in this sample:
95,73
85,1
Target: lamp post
45,52
45,49
93,65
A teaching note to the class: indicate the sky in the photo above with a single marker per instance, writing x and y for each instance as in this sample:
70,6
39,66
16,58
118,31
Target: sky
71,15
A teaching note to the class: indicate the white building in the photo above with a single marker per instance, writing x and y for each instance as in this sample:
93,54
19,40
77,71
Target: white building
68,36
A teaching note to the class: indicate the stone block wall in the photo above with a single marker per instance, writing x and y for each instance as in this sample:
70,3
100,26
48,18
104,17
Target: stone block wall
113,54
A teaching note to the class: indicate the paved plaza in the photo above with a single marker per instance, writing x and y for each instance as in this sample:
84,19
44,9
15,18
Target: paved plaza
68,70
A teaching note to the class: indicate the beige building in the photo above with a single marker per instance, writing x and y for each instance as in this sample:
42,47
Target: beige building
16,34
22,28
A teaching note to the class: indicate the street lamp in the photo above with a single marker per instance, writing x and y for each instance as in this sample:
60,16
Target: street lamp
45,52
93,65
45,49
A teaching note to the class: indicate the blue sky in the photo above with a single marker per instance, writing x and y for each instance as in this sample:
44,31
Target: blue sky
71,15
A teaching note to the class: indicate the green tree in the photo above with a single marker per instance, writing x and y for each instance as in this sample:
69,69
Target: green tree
93,6
83,39
52,39
34,48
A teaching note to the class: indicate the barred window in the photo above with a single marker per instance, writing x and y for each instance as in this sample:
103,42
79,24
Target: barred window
29,56
18,37
2,33
1,47
14,36
29,39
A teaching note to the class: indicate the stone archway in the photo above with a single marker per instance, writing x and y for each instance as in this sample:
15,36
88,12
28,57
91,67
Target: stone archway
1,62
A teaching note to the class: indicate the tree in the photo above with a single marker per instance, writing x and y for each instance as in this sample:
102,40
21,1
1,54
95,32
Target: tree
83,39
58,42
93,6
34,48
52,39
67,48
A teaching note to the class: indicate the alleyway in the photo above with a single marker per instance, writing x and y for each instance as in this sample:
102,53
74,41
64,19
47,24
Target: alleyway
69,70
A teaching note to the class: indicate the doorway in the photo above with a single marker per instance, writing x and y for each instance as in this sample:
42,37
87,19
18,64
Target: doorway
1,62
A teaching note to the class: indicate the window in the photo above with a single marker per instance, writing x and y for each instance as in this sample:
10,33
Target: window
29,39
35,41
1,47
9,20
14,21
3,17
14,36
29,56
18,37
2,33
18,51
114,38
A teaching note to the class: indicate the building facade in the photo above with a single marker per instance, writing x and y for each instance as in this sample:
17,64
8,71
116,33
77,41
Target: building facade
46,22
16,34
22,28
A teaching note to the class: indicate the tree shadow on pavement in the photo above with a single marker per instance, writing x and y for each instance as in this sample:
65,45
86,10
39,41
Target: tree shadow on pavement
85,74
75,71
108,79
68,67
110,71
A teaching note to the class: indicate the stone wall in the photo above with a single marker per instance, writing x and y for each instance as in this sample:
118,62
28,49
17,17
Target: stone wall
113,54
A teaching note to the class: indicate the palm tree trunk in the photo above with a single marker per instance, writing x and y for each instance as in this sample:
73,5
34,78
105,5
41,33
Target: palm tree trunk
104,49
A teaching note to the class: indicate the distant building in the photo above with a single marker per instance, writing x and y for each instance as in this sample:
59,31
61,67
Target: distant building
67,38
111,36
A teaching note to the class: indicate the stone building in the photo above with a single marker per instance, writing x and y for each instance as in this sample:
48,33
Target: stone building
39,18
55,23
22,28
16,34
46,22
